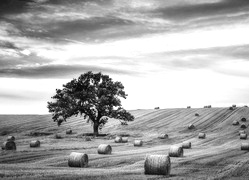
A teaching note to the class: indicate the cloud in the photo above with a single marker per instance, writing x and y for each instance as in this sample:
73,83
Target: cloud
233,68
12,62
97,21
236,52
44,27
190,11
15,96
57,71
7,45
57,2
78,20
76,29
13,6
227,60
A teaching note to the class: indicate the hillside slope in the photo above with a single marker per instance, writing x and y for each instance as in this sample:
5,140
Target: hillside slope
216,157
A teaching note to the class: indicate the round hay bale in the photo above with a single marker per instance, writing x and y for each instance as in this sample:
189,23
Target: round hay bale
188,107
11,138
69,131
175,151
230,108
243,125
138,142
35,143
157,164
242,132
78,160
243,119
87,138
234,105
163,136
235,122
57,136
202,135
186,145
245,146
104,149
196,114
9,145
118,139
124,139
191,126
243,136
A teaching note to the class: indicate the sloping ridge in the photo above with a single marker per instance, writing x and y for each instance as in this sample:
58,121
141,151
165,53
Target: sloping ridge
217,155
168,120
213,121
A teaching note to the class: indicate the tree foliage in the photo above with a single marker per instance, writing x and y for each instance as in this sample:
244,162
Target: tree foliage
96,97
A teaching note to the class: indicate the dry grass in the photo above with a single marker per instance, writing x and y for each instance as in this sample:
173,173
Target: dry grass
218,156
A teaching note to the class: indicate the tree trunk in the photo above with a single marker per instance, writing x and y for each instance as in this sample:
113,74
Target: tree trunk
96,128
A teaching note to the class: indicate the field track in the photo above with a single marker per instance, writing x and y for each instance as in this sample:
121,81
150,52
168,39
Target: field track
216,157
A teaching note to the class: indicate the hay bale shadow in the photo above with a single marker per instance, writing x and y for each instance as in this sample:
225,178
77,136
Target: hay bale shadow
38,133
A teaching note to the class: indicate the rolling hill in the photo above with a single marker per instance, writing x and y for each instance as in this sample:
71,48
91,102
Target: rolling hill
216,157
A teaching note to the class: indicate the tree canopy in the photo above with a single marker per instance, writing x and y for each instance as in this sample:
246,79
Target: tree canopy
96,97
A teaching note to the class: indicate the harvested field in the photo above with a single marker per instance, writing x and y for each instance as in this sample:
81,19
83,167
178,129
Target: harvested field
218,156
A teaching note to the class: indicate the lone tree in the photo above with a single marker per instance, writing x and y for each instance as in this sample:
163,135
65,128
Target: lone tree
93,96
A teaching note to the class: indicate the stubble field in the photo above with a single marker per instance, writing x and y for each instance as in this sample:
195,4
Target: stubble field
216,157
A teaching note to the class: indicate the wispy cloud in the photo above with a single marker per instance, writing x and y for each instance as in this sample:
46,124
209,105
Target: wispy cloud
81,32
138,41
7,45
196,10
57,71
18,96
13,6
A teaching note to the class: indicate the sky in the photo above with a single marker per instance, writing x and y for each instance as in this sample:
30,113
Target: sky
166,53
